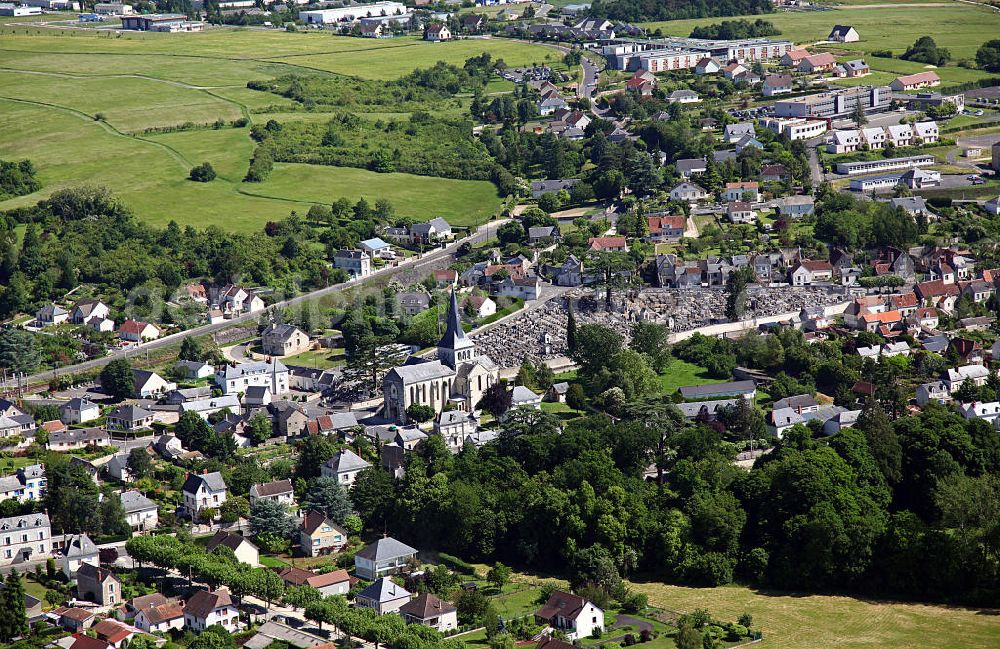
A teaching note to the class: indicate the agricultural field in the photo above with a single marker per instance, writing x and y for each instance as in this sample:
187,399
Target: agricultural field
792,621
80,104
961,28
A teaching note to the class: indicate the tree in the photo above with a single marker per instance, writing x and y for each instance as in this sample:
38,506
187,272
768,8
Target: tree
17,350
233,509
139,463
267,585
594,345
612,268
191,350
499,575
576,398
259,428
314,451
301,596
420,413
214,637
328,496
13,620
497,399
270,516
988,55
118,380
736,295
925,50
203,173
858,115
651,339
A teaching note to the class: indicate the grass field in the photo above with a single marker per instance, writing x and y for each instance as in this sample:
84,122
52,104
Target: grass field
961,28
810,621
681,373
54,82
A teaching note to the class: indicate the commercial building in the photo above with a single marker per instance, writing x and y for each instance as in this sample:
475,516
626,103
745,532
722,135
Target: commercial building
678,53
796,128
874,183
352,13
162,23
10,9
883,164
835,103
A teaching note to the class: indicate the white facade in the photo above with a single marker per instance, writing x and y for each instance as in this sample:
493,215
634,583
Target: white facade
234,379
24,537
353,13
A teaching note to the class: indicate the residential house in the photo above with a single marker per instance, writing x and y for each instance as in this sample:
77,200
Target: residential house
665,228
284,340
551,104
149,385
800,403
51,314
843,34
822,62
741,191
238,377
356,263
807,271
777,84
707,65
688,192
525,397
732,133
915,81
207,608
748,141
79,410
781,419
135,331
926,132
77,550
873,137
85,310
955,377
856,68
454,426
987,411
938,294
733,70
688,167
344,467
141,513
159,615
319,535
791,58
235,300
77,619
774,173
473,23
445,277
128,418
374,30
436,229
204,490
384,596
194,369
543,234
98,585
385,556
413,302
899,134
431,611
539,187
278,490
245,551
608,244
576,616
796,206
28,484
76,439
845,141
336,582
23,538
437,32
936,391
740,212
683,97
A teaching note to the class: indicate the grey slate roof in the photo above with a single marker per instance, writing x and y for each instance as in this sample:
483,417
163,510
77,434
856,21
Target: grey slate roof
133,501
384,590
79,545
346,460
695,391
212,480
385,549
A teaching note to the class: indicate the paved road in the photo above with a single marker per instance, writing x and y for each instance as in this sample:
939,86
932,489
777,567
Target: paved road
427,262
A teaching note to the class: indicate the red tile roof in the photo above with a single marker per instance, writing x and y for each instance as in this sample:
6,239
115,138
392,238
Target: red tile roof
919,77
111,631
606,243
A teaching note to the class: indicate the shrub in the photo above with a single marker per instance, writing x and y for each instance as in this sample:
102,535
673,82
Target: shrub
456,563
203,173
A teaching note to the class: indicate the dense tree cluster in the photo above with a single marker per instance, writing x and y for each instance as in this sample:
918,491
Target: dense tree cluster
647,10
844,220
736,30
925,50
17,179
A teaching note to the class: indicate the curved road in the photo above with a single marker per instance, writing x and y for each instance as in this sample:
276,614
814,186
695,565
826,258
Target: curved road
429,260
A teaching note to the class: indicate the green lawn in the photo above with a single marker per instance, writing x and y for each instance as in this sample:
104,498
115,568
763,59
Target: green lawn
8,465
681,373
959,27
320,359
808,621
271,562
53,82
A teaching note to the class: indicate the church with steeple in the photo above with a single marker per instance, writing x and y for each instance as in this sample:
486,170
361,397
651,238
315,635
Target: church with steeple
459,376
